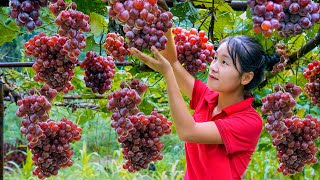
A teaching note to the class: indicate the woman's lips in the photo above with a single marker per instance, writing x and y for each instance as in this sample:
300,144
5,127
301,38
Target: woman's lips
213,77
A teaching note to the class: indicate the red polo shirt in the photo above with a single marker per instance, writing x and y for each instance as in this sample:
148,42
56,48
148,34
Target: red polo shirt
239,126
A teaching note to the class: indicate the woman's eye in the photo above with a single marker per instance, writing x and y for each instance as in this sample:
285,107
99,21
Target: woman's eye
224,62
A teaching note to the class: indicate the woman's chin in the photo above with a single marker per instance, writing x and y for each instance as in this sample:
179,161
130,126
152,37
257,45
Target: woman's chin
213,87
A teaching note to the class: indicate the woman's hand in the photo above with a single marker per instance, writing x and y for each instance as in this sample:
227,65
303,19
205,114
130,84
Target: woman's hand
170,52
159,63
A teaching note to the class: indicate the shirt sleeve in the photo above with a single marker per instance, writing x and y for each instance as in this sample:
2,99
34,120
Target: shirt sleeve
240,133
198,92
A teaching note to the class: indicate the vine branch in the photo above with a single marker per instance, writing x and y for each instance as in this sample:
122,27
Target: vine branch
74,106
311,44
236,6
213,18
4,3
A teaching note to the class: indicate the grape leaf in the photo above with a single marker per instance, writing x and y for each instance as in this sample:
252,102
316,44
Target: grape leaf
98,24
8,32
185,11
89,6
91,45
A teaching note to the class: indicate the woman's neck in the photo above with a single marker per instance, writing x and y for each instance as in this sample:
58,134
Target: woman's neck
227,99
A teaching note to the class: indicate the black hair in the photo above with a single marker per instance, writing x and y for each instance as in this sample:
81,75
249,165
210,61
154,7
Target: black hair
251,56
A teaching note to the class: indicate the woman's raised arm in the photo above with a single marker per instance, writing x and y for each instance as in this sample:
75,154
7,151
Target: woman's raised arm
184,79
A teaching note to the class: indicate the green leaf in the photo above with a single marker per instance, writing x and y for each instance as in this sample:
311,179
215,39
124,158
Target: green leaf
8,32
185,11
224,7
27,166
147,105
89,6
296,42
98,24
91,45
224,13
84,115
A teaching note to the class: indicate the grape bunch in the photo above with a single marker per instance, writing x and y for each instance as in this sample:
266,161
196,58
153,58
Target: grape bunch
51,66
26,12
152,35
282,50
312,87
48,141
32,131
125,101
163,21
278,106
99,72
294,90
299,15
35,107
299,149
71,23
145,38
142,145
54,151
135,84
135,13
288,17
59,6
266,15
193,49
292,137
46,91
14,153
138,134
116,46
145,25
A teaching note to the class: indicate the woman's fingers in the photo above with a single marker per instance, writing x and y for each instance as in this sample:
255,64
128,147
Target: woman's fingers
159,63
143,57
155,51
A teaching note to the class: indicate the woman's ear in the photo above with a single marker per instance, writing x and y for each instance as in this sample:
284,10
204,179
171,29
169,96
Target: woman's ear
246,78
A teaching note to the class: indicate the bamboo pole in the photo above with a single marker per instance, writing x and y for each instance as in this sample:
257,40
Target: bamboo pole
29,64
1,129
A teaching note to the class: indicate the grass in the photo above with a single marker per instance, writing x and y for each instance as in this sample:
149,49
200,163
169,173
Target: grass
93,166
98,156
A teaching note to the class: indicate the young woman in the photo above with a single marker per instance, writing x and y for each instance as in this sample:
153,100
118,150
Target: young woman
224,130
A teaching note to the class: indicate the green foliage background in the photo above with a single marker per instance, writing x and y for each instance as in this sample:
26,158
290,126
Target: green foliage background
97,155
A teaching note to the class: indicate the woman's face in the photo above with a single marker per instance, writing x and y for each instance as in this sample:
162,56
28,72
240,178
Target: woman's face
223,75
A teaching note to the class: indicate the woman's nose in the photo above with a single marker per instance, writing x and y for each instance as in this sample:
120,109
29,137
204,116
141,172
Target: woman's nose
214,66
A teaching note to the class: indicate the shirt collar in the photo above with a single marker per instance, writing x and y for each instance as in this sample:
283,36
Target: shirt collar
238,106
212,98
